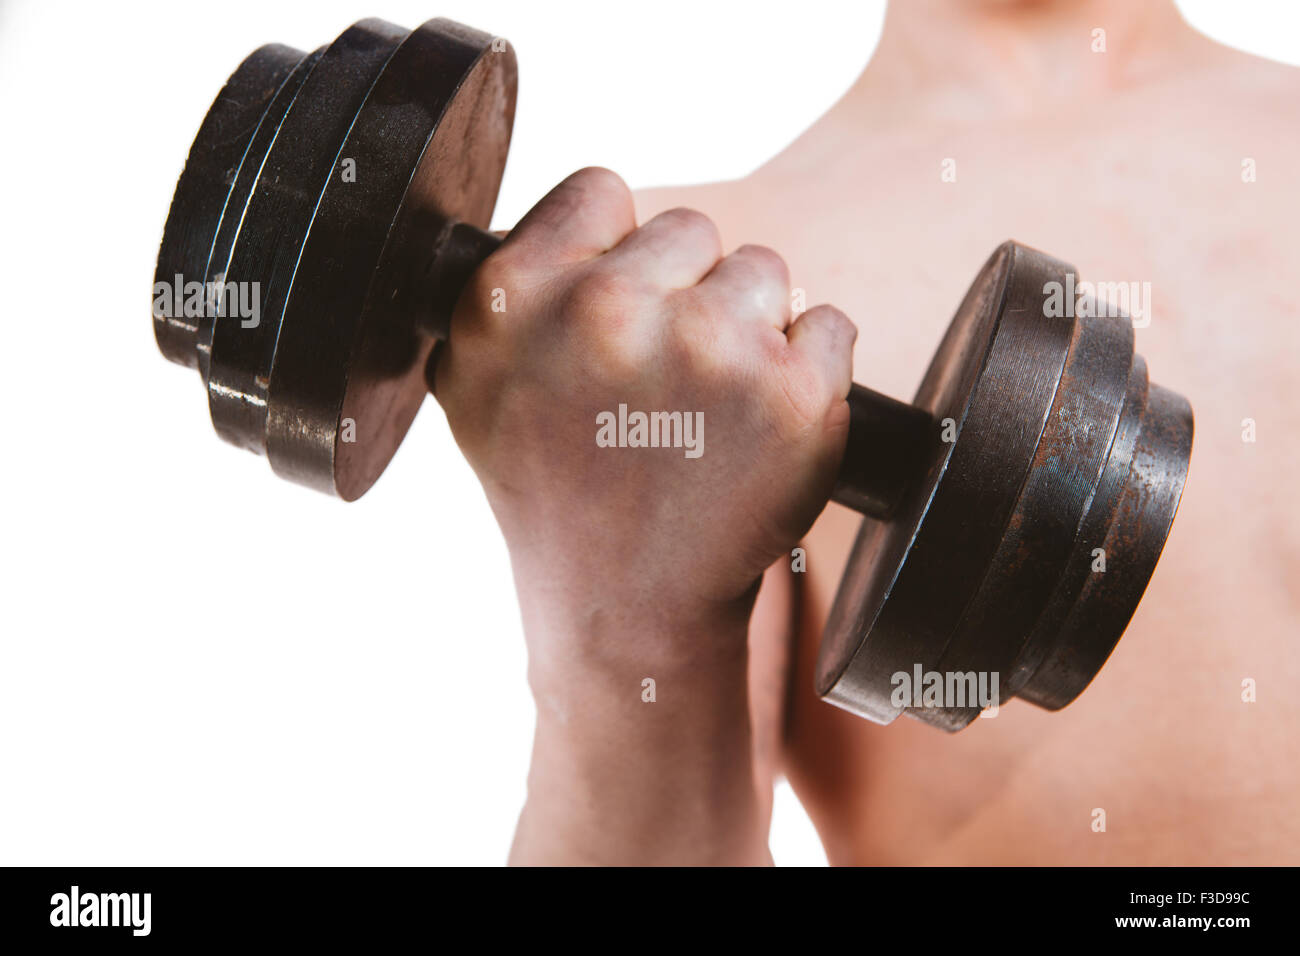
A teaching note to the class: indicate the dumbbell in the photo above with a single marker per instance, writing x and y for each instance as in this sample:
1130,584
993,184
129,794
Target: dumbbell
333,206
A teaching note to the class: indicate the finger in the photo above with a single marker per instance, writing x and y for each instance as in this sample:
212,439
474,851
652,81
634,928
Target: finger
674,250
825,337
585,216
751,284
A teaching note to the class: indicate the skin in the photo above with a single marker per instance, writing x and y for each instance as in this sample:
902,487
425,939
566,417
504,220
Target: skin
1127,163
629,563
618,576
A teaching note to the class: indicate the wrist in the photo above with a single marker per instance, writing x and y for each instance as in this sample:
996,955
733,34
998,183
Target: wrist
608,631
618,777
602,664
648,730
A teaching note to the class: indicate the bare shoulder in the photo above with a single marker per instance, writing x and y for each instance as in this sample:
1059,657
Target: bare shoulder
1263,73
656,199
1251,87
720,201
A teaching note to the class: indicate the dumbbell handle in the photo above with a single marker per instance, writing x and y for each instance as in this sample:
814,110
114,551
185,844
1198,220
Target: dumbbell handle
887,438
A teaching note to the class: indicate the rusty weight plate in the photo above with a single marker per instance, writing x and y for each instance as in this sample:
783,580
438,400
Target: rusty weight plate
985,566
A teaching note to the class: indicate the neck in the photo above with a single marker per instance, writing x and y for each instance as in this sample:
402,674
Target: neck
981,57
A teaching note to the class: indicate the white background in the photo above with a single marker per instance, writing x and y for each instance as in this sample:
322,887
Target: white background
200,663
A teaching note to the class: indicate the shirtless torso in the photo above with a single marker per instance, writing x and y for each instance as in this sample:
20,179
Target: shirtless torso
1129,164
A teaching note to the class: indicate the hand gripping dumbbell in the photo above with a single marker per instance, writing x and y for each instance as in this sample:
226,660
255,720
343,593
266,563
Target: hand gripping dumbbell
345,193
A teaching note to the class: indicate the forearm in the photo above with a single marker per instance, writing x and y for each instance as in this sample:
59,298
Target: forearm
637,553
628,772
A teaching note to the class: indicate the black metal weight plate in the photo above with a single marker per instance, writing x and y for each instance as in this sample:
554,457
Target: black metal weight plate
321,187
992,550
428,147
220,151
245,181
265,258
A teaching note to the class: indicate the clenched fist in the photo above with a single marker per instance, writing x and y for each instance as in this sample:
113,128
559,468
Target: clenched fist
651,429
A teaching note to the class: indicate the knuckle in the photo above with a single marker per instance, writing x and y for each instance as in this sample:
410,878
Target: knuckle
613,354
601,293
600,181
685,219
843,331
600,312
765,260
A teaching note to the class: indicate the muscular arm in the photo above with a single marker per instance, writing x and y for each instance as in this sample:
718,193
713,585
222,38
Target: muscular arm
638,561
